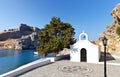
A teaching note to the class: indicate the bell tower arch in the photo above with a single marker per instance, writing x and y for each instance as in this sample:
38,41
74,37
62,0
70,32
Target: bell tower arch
83,36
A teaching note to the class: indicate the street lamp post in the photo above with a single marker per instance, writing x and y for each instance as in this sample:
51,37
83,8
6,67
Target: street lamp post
104,40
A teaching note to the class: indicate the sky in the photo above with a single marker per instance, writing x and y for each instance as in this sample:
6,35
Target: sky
92,16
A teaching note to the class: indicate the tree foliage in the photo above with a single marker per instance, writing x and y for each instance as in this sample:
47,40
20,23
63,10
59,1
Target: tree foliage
55,36
118,31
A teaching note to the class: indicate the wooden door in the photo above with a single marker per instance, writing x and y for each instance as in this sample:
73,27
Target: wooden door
83,55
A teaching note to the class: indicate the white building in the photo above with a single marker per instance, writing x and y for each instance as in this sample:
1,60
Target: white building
84,51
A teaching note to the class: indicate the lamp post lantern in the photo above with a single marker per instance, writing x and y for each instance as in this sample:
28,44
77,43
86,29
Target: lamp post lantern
104,40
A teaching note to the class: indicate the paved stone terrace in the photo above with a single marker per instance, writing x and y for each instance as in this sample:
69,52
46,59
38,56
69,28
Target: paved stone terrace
65,68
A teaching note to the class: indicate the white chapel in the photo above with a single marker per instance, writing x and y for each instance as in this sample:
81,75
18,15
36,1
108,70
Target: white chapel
84,51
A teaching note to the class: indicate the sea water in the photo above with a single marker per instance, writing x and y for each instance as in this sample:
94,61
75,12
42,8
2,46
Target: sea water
12,59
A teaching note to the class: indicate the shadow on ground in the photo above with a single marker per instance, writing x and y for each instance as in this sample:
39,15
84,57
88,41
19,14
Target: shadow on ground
109,57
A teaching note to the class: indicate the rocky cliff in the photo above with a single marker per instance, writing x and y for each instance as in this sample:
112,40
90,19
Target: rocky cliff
24,37
113,45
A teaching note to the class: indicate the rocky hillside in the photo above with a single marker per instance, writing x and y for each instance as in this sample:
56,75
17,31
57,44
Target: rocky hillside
24,37
113,46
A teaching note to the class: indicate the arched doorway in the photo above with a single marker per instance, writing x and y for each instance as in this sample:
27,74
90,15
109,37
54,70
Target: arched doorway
83,55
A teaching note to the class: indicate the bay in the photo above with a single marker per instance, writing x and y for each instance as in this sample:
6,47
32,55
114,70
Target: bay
12,59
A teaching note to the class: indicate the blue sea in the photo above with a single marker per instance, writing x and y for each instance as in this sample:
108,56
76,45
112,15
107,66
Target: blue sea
12,59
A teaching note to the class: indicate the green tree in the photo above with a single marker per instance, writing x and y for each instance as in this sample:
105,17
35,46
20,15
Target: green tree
55,36
118,31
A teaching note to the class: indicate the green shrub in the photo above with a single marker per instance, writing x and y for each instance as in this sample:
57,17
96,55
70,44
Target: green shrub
118,31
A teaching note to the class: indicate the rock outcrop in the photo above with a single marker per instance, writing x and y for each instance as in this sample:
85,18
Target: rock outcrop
113,46
24,37
65,51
